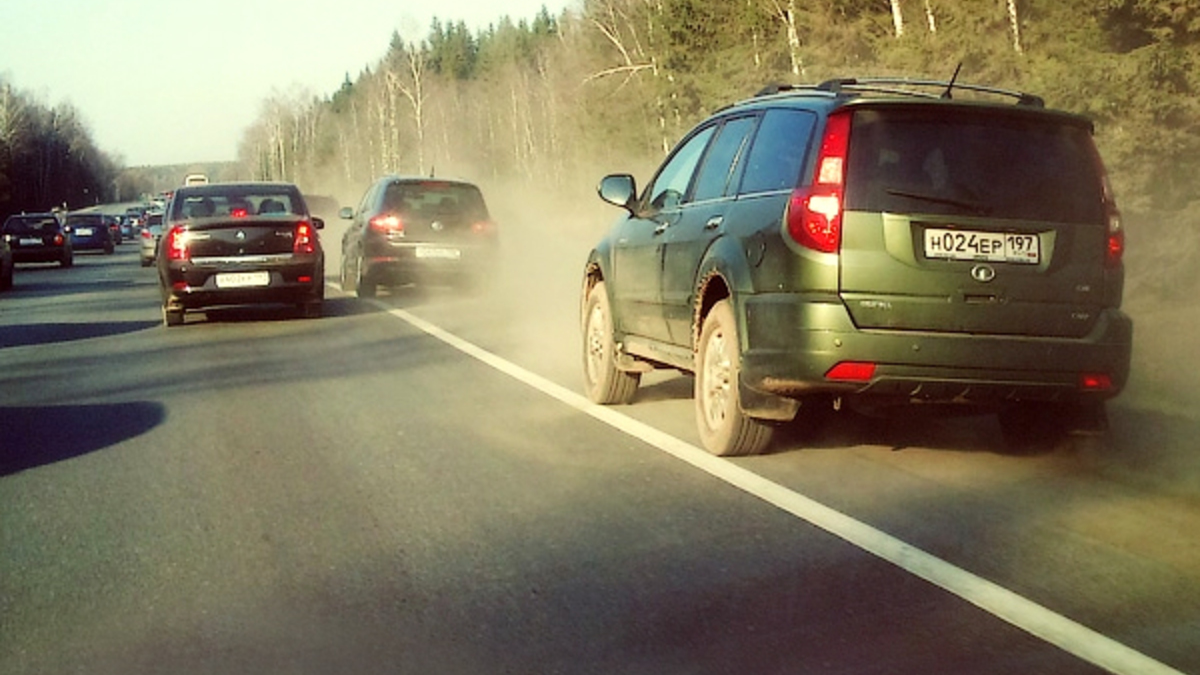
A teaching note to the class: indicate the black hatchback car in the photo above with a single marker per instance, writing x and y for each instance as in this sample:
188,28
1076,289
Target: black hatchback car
417,230
239,244
38,238
882,244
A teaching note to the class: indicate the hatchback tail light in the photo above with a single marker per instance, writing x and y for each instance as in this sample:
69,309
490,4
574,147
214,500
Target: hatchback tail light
177,244
814,213
59,239
387,224
304,243
483,227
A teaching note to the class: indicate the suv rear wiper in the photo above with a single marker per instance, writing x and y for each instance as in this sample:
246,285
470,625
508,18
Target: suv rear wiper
973,207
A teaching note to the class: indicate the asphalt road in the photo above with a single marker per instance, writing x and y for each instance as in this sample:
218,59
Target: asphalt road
412,486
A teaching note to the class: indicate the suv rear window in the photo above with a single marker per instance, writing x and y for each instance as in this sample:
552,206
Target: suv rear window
968,162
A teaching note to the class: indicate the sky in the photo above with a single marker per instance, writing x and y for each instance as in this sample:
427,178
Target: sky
177,81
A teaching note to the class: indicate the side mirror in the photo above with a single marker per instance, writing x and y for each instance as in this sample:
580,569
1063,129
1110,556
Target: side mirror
346,213
618,189
318,223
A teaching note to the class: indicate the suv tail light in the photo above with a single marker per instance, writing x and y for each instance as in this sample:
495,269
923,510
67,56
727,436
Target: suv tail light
1115,248
851,371
303,242
177,244
814,214
387,224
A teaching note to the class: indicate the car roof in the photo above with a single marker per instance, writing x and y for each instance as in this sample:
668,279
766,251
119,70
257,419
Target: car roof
831,94
240,186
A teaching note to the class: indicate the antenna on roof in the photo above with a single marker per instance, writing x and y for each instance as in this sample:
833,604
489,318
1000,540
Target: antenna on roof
946,94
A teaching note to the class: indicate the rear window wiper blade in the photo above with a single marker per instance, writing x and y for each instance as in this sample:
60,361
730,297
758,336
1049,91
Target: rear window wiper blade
973,207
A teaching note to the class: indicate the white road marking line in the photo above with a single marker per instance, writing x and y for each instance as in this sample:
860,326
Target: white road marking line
1056,629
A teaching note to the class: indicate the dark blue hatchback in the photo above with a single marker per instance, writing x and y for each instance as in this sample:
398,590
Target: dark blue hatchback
89,232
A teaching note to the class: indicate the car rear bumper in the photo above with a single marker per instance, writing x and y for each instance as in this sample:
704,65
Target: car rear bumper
195,287
792,343
402,265
49,254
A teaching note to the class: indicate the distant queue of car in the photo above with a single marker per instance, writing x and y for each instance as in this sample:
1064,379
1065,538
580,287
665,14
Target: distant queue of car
54,237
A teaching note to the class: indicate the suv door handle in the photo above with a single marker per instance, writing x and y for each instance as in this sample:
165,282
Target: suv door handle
714,222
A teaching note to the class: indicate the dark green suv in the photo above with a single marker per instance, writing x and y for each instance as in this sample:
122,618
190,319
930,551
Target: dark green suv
874,243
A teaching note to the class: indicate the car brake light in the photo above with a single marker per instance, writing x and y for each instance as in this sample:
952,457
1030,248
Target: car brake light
1115,243
58,240
1095,382
814,214
177,248
852,371
238,212
303,242
387,224
146,234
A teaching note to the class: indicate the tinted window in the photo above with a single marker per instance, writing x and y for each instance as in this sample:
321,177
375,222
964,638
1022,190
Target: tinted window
672,181
965,162
434,199
30,225
84,219
712,182
236,201
778,153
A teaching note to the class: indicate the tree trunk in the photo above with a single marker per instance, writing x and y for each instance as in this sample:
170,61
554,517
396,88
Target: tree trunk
1015,21
897,18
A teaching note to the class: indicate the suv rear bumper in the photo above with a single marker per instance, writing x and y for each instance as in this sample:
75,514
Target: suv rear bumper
791,343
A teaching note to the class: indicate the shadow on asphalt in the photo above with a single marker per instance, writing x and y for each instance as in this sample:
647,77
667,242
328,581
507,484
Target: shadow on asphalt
48,333
37,436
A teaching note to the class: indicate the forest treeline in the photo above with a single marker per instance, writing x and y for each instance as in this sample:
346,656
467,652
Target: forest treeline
48,158
553,103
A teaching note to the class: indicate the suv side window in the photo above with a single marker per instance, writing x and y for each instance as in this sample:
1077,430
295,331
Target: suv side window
778,153
669,187
713,180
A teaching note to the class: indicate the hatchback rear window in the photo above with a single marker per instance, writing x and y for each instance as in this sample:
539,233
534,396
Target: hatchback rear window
433,199
25,225
969,162
85,220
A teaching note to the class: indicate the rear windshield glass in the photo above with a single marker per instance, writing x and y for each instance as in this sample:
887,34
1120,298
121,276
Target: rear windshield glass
85,219
970,163
237,202
30,224
435,199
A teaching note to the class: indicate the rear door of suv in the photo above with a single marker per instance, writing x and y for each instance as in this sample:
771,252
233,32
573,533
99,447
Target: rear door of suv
973,219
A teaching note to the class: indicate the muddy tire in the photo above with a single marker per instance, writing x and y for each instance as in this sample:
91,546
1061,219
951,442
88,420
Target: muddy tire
724,429
603,382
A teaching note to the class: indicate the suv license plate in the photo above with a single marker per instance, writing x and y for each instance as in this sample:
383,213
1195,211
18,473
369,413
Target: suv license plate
438,253
243,279
1010,247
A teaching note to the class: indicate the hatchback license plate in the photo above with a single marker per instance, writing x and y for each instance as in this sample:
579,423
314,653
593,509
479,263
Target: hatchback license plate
30,241
439,253
243,279
85,232
1008,247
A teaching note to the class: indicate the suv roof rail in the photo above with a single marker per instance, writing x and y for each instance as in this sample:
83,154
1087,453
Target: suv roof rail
912,87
